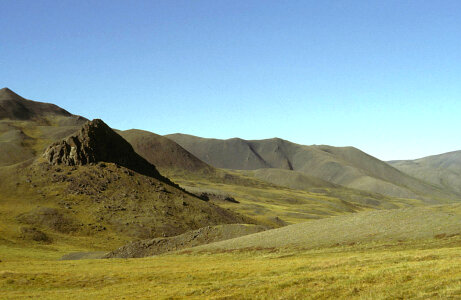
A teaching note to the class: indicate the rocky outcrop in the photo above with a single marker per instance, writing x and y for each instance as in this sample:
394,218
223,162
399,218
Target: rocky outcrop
97,142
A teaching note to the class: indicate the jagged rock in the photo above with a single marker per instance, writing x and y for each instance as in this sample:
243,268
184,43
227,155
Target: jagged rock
97,142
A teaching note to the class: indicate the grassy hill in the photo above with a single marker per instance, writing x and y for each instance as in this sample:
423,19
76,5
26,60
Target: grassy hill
364,227
346,166
443,170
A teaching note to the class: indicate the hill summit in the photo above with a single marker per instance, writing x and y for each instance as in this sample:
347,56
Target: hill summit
15,107
97,142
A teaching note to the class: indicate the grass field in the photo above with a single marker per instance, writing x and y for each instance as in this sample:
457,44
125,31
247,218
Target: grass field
417,269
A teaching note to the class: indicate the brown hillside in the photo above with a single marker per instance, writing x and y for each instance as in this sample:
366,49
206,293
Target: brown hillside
15,107
164,153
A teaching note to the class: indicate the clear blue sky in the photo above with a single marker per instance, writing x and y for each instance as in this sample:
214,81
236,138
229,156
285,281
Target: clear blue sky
383,76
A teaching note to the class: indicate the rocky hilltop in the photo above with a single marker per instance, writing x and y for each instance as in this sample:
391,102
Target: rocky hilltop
97,142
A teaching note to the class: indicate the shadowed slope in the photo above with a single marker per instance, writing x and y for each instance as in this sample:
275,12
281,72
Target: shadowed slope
163,152
346,166
15,107
444,170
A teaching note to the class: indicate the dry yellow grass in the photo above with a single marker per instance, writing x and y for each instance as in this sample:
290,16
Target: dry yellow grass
419,270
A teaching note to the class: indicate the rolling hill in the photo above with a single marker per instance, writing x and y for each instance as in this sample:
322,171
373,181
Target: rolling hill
346,166
398,225
443,170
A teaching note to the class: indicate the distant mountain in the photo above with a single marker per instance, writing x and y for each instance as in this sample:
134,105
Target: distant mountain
15,107
27,127
443,170
163,152
346,166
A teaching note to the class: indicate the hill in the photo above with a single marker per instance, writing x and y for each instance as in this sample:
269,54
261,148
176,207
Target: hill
443,170
93,186
15,107
164,153
27,127
406,224
346,166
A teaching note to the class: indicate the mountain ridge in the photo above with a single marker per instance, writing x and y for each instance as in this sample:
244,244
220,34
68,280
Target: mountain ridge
443,170
347,166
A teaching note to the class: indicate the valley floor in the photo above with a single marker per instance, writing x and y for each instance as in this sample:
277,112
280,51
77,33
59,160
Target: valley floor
418,269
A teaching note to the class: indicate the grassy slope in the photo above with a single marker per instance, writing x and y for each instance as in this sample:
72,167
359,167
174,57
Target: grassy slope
346,166
386,225
101,205
443,170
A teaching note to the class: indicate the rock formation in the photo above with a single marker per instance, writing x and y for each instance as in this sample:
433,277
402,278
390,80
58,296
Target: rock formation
97,142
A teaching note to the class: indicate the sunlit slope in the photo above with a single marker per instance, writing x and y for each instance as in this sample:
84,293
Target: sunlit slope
346,166
443,170
364,227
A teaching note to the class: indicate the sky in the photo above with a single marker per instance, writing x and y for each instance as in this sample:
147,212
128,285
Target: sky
382,76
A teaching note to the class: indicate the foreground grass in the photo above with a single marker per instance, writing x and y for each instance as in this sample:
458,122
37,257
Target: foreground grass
407,270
